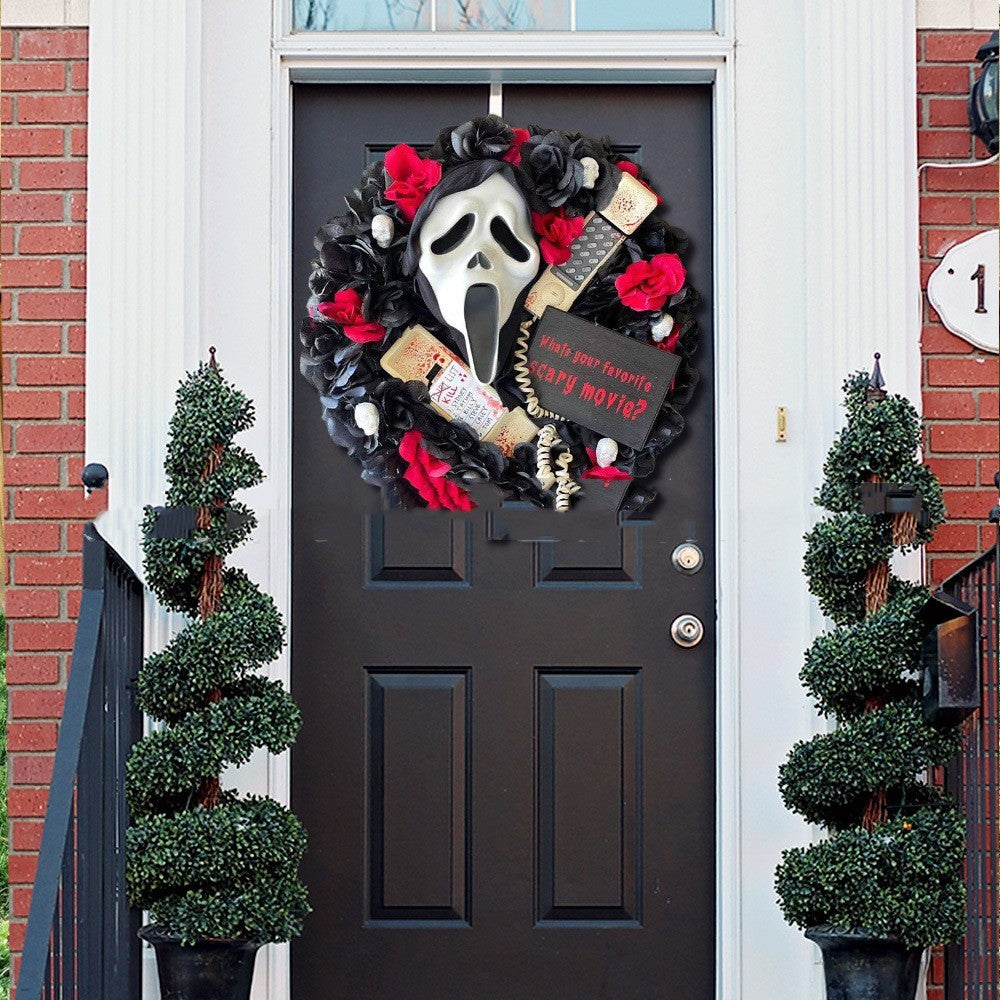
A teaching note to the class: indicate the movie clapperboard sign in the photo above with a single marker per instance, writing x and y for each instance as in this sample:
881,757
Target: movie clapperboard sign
597,378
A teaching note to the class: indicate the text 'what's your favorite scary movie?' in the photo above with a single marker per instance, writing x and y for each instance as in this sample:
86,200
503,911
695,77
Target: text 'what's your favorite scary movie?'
504,304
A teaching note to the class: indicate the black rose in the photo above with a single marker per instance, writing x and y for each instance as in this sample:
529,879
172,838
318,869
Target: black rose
599,150
656,236
390,303
347,253
368,199
480,138
555,174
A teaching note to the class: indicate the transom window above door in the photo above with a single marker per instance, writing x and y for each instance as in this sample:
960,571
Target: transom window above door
503,15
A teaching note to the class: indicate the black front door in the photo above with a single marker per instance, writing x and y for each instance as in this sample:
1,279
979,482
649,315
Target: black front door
507,766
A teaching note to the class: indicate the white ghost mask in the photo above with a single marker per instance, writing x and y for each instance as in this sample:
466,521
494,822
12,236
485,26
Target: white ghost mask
478,254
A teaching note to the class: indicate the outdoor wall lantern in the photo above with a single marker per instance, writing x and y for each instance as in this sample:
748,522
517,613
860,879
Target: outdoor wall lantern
949,658
983,97
892,498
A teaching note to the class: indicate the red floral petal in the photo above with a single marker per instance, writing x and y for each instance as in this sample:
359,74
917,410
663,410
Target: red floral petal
432,173
426,474
409,445
349,297
401,161
513,155
553,253
364,333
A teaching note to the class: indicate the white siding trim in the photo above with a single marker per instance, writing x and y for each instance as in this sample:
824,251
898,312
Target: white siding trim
976,15
45,13
142,259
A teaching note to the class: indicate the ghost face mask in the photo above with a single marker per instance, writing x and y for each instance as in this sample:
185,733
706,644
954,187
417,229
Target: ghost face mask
477,255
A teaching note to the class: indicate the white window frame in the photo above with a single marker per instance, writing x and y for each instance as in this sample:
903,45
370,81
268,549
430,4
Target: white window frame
816,267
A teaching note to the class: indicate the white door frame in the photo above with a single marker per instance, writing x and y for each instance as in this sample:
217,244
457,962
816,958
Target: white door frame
815,265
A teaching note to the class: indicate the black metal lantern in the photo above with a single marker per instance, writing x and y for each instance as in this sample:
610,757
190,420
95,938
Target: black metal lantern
891,498
949,657
983,97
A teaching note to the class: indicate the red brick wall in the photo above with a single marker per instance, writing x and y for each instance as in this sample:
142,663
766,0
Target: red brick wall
43,209
960,382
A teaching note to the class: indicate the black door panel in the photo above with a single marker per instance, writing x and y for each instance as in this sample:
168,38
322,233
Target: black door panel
506,767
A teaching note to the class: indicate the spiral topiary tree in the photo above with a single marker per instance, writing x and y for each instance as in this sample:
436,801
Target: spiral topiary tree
891,866
206,863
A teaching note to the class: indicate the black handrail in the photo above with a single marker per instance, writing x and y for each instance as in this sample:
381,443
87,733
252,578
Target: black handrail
972,970
80,942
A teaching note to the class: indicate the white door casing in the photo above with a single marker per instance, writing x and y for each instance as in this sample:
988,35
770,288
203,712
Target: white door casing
816,268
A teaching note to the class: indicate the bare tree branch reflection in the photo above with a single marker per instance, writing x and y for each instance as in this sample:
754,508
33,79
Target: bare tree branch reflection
494,15
325,15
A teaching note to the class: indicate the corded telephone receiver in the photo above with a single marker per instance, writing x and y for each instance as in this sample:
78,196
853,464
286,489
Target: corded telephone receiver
603,233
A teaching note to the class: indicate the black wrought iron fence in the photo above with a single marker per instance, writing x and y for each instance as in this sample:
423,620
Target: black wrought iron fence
972,970
80,942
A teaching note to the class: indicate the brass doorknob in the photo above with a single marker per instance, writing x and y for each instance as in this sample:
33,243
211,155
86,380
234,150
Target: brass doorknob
687,630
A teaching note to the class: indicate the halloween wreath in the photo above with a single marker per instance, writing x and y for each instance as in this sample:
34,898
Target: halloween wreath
505,308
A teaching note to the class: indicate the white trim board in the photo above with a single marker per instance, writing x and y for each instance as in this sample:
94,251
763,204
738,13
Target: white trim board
46,13
968,15
815,266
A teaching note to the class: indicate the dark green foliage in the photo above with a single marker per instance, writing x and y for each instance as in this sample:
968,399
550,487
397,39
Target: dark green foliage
839,551
880,440
223,852
876,656
207,864
244,634
827,779
897,877
173,565
903,880
210,413
170,764
270,910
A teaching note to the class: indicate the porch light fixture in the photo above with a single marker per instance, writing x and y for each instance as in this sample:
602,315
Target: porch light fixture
983,98
949,657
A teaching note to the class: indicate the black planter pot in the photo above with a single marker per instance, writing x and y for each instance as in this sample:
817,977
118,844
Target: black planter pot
861,967
208,970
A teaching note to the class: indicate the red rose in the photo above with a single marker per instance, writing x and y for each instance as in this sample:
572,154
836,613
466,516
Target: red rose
345,311
513,155
412,178
647,284
557,231
426,474
628,167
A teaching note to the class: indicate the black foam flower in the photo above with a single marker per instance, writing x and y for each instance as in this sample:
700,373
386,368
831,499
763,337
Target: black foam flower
390,302
480,138
555,174
347,253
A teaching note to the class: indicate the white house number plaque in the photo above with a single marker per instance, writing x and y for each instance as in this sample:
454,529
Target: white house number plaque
965,290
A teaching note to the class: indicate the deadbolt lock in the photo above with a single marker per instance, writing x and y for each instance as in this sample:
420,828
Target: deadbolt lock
687,630
687,558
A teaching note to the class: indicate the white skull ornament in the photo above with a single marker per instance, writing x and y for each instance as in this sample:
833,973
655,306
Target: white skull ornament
478,254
